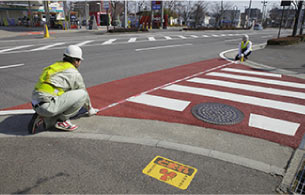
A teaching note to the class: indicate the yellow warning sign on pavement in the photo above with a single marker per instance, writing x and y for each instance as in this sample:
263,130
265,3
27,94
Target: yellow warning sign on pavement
171,172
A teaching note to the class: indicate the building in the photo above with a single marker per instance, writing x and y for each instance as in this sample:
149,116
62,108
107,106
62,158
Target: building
288,17
256,16
28,13
231,18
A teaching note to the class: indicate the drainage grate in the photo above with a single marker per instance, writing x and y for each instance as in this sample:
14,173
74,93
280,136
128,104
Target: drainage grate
216,113
298,184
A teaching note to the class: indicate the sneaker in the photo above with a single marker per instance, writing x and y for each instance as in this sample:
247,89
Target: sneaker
66,125
36,122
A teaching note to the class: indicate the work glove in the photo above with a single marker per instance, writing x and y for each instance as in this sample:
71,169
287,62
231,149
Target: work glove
92,111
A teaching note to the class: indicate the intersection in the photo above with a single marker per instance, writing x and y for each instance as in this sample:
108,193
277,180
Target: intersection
146,88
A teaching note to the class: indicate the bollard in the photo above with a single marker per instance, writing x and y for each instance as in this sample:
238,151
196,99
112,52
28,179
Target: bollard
46,31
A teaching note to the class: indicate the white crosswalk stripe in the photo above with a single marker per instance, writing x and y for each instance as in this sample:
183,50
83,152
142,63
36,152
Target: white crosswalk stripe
161,102
151,38
84,43
110,41
47,46
272,124
290,107
182,37
15,48
205,36
259,80
194,36
251,72
131,40
248,87
167,37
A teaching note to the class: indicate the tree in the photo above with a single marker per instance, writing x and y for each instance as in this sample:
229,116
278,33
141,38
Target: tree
297,16
218,11
185,10
117,8
199,12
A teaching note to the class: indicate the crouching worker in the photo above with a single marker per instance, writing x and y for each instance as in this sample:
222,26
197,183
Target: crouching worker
60,93
244,49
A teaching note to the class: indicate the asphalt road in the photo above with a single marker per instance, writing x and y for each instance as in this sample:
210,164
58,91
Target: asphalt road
104,63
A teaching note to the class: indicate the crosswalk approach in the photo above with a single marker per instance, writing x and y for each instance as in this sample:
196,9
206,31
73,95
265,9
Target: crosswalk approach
59,45
271,91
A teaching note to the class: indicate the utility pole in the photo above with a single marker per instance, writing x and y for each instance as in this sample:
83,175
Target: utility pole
125,13
249,13
302,23
47,13
297,18
264,10
162,14
30,13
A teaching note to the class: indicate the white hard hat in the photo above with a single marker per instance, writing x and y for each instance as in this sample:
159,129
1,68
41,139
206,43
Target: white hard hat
74,51
245,37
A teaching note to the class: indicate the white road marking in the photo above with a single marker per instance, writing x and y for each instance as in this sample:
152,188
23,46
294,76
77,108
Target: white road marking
272,124
84,43
47,46
161,102
233,40
215,35
290,107
151,38
160,47
167,37
110,41
247,87
14,48
259,80
205,36
194,36
182,37
13,112
11,66
251,72
131,40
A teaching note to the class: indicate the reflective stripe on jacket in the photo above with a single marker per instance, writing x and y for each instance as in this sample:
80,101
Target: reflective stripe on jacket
44,83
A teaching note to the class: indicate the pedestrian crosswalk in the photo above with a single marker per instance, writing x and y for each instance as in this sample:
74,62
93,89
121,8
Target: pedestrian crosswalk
255,90
83,43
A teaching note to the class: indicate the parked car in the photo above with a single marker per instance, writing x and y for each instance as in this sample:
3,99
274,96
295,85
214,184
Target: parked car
258,27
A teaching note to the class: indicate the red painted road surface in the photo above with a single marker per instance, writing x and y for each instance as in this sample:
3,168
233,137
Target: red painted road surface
276,109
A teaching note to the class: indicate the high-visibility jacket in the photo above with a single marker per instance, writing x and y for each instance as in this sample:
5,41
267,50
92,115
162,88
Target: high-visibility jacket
244,45
44,83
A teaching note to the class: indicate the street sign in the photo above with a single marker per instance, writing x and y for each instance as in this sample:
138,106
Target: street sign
170,172
285,3
156,5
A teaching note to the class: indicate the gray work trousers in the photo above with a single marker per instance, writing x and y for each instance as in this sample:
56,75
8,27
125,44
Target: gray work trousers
63,107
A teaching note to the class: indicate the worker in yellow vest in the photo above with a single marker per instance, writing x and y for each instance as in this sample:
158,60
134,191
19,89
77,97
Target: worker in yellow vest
60,93
244,49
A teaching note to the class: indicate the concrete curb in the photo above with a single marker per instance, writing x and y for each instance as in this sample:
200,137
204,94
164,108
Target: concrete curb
245,162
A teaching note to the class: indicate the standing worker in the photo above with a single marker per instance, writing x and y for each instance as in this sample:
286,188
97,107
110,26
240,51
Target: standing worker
60,93
244,49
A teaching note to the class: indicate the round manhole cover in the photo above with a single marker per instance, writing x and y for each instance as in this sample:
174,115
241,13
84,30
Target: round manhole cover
216,113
